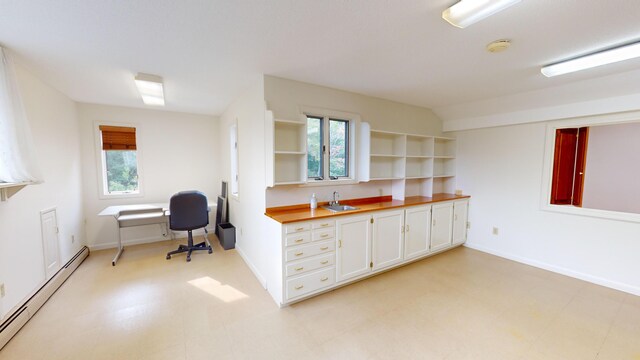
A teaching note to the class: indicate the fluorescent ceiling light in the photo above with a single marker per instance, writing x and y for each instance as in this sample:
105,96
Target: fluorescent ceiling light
151,89
610,56
467,12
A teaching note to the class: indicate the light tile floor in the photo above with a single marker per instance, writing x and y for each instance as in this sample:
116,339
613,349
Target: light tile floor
462,304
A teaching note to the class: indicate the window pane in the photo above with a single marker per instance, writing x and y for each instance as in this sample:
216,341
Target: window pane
122,170
338,148
314,147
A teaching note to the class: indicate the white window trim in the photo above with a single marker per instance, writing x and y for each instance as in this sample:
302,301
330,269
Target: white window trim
234,164
101,163
547,170
354,136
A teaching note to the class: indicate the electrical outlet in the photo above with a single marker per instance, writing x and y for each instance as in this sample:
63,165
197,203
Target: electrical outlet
495,230
468,225
73,239
1,290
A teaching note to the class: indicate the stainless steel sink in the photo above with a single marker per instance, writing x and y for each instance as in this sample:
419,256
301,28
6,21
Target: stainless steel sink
338,208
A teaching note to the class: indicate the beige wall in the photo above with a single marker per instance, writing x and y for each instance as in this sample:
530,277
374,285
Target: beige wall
54,125
286,97
247,210
613,168
176,151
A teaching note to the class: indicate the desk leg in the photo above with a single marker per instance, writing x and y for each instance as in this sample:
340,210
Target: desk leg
120,248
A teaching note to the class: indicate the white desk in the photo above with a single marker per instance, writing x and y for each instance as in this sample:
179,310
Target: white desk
138,215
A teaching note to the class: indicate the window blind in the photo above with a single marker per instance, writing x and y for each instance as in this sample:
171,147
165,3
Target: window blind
118,137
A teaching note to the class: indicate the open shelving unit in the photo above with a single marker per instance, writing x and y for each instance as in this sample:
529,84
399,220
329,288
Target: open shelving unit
286,151
417,165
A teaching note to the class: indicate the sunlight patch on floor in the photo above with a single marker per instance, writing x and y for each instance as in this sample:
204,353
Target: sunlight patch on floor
226,293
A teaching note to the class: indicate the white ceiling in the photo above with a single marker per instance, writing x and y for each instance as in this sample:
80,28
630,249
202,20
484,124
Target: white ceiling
208,51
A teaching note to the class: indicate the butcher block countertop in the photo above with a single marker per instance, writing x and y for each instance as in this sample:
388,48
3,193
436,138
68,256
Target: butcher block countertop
302,212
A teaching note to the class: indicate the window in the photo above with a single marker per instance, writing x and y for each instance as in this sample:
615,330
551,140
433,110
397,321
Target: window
233,142
328,142
119,160
591,166
329,148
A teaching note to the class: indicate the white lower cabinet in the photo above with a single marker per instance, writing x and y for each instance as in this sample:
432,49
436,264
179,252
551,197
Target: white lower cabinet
353,253
387,239
417,221
460,210
318,255
368,243
441,225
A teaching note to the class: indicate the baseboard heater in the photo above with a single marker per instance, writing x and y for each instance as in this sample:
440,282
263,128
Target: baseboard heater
22,313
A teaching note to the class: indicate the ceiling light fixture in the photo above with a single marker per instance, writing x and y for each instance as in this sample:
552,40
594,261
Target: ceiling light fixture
605,57
467,12
150,88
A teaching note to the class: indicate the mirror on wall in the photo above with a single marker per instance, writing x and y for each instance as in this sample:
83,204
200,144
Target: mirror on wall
597,167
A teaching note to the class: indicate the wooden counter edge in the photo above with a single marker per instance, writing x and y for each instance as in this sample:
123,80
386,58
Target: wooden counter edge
301,212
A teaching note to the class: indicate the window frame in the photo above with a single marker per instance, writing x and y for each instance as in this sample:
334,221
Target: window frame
101,163
549,152
353,121
234,163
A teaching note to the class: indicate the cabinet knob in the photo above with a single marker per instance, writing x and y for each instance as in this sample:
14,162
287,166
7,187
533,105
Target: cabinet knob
300,268
324,279
324,248
300,253
299,229
299,287
324,262
299,240
324,235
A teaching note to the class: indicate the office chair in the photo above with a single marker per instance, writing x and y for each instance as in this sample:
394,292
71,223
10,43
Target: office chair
188,210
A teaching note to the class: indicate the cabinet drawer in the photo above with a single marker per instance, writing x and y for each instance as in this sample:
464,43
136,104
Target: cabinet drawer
323,224
297,227
297,239
308,283
323,234
310,264
304,251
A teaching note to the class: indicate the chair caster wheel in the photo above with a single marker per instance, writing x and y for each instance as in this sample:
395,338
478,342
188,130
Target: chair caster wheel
188,259
210,251
168,257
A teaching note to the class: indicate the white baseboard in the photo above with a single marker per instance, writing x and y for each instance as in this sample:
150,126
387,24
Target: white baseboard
557,269
253,268
150,239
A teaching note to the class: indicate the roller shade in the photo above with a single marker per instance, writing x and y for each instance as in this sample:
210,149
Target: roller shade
118,137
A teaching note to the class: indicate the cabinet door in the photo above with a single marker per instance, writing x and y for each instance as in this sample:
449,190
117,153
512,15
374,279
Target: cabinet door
387,238
353,254
460,209
441,225
416,234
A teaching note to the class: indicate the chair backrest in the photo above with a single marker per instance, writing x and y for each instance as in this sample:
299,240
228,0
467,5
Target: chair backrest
188,211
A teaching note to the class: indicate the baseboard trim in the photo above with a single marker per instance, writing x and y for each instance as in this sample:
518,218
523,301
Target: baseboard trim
558,269
147,240
24,311
253,268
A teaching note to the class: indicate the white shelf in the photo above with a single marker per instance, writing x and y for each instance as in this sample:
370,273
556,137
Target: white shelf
417,165
286,151
288,122
290,152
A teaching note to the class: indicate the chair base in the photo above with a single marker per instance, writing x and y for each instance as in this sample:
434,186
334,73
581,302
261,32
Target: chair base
190,247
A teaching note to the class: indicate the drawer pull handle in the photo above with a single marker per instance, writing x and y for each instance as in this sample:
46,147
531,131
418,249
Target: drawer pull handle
300,268
324,262
324,248
300,253
324,279
324,224
324,235
299,229
299,287
299,240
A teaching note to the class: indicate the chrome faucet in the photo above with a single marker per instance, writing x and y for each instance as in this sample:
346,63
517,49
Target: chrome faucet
336,198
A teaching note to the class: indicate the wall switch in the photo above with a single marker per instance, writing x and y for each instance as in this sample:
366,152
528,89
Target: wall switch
73,239
1,290
494,231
